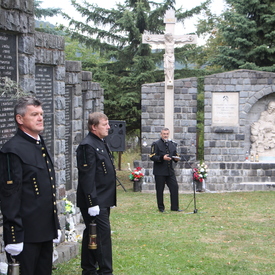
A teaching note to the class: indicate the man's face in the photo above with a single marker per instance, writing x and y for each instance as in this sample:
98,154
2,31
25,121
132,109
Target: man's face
101,130
165,134
32,122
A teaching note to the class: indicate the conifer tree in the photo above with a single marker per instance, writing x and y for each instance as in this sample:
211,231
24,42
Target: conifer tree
40,12
117,34
246,36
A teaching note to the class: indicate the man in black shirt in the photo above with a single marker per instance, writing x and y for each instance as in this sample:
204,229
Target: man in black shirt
164,154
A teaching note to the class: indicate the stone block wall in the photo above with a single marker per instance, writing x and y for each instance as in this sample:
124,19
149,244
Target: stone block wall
68,92
49,52
185,123
226,147
17,16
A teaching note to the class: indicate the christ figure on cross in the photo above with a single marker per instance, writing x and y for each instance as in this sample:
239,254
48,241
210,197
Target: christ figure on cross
169,40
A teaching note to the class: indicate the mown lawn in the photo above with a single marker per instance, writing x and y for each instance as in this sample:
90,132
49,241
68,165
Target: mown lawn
232,233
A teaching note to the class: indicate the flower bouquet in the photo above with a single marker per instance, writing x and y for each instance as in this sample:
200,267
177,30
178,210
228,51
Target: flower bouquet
137,174
200,173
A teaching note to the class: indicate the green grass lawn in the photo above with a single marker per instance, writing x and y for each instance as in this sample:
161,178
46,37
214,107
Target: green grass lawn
232,233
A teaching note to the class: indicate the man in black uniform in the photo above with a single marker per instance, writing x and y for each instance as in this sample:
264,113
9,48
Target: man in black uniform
96,193
27,193
163,154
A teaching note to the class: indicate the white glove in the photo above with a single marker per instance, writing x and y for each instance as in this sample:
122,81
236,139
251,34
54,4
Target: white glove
94,210
14,249
59,234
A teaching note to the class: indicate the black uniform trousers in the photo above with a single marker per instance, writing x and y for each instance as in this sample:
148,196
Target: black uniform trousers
35,259
101,257
172,184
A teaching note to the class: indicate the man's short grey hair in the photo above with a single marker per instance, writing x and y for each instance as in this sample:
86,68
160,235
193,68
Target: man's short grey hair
22,104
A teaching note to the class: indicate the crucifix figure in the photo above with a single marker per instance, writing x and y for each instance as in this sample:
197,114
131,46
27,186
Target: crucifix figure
168,41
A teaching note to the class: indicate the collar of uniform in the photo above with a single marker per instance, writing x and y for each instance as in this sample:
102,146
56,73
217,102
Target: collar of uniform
95,136
29,138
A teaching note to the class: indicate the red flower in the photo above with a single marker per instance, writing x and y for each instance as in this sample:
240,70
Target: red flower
136,174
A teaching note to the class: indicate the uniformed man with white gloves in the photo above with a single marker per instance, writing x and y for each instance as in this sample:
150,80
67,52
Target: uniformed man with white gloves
27,193
96,194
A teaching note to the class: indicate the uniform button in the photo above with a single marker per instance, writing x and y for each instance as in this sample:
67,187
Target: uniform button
50,170
44,155
54,211
52,186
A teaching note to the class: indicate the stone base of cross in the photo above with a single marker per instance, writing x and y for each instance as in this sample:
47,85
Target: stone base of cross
168,41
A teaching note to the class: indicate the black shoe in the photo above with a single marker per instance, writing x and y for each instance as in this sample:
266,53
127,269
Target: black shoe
179,210
161,210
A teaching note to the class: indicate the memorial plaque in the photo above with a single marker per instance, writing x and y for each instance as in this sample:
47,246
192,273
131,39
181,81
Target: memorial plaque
7,124
8,68
225,109
44,92
8,55
68,136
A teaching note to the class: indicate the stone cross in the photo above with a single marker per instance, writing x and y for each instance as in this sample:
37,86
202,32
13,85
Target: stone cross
168,41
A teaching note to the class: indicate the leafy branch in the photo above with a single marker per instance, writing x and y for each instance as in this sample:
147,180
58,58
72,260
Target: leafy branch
10,88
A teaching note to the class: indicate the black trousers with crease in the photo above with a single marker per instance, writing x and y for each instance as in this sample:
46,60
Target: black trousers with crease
98,261
173,186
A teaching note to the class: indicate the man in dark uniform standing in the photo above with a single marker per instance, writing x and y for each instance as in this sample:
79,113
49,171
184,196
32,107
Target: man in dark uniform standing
96,193
27,193
163,154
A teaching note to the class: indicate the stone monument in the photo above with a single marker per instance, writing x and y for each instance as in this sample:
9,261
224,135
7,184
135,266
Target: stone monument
263,135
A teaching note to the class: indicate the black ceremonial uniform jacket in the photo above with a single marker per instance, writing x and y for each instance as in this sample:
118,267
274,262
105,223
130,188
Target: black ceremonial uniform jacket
27,191
163,167
96,174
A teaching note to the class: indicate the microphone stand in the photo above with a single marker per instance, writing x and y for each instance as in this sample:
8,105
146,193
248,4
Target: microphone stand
195,211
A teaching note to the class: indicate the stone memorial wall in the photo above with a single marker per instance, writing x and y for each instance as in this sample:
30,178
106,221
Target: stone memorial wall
44,92
242,96
235,105
8,55
37,62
